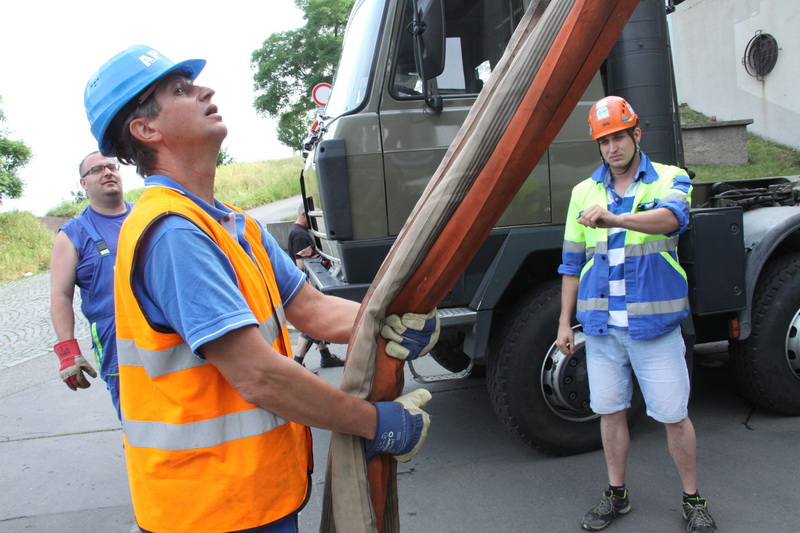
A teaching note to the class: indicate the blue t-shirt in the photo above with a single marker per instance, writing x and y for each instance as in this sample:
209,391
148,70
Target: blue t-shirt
184,281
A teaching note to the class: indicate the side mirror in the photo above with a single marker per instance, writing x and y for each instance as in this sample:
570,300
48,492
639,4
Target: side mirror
429,41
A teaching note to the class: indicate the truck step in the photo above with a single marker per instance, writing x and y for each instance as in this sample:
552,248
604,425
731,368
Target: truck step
457,316
449,317
437,378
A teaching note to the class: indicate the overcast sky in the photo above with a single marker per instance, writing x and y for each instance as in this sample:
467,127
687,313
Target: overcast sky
50,49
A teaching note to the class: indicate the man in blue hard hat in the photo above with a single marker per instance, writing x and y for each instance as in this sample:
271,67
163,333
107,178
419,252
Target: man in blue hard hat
215,413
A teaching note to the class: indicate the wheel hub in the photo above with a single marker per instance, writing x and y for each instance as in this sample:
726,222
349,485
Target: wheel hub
793,345
565,384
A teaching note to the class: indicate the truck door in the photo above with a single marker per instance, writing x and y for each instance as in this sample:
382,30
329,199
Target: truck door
415,138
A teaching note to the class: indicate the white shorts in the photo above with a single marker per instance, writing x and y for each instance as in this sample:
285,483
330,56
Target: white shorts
658,365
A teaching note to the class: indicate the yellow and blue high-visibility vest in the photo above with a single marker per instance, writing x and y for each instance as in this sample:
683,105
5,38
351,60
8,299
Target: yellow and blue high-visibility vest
656,291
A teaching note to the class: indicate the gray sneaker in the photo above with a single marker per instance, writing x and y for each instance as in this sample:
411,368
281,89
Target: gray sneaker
607,509
698,519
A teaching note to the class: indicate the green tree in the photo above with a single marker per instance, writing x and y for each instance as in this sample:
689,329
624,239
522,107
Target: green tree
289,64
14,155
79,196
224,158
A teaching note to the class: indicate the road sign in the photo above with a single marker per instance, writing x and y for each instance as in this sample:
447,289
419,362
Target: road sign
320,94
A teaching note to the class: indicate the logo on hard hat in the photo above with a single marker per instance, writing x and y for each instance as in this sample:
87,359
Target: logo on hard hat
149,58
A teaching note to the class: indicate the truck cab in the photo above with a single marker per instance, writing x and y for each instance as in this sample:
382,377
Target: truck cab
409,73
379,143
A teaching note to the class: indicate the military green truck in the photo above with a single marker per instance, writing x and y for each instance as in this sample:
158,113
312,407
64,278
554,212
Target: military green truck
409,72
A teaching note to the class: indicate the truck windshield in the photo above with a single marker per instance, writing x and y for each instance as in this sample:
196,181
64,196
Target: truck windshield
358,54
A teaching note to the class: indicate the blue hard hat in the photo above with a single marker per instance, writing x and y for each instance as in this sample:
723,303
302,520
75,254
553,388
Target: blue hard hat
123,77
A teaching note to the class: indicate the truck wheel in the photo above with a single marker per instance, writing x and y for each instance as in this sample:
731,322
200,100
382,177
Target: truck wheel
453,359
767,364
540,394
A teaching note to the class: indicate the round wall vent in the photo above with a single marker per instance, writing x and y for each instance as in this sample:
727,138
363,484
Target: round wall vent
760,55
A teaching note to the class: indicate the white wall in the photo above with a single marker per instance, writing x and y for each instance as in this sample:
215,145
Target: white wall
709,38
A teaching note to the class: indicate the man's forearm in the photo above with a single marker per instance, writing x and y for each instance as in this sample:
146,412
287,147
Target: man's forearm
323,317
569,298
659,221
340,315
298,395
275,382
63,317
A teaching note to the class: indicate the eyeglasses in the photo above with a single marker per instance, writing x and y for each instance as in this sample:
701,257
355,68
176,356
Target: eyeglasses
99,168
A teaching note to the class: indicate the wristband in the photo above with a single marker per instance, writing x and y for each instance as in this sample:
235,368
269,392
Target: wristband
67,348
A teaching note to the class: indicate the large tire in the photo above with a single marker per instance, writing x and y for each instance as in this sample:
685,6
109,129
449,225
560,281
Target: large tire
540,394
767,364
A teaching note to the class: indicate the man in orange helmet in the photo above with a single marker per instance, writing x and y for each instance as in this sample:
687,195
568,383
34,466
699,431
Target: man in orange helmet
620,272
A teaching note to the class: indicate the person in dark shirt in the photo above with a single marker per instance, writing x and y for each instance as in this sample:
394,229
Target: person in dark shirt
301,246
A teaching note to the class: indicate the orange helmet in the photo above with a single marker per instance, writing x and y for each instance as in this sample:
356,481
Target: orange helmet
609,115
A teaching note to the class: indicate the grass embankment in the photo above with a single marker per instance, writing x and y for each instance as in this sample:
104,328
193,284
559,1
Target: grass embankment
765,158
25,244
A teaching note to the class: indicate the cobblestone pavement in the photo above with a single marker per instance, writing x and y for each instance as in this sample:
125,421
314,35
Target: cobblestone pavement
25,328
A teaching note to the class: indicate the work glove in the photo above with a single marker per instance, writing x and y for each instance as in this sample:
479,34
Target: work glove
73,365
411,335
402,426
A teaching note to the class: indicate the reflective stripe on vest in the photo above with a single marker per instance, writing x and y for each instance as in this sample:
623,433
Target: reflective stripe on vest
657,308
202,434
651,247
574,247
676,196
160,363
581,248
593,304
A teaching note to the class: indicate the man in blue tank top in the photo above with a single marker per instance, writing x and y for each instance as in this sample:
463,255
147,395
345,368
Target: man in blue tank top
83,255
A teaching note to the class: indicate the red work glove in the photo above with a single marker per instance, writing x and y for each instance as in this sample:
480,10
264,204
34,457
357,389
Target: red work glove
73,365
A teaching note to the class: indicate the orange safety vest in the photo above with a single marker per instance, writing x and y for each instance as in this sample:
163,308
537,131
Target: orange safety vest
199,457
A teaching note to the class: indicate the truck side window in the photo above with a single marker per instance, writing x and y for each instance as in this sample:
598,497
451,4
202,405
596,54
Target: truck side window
477,34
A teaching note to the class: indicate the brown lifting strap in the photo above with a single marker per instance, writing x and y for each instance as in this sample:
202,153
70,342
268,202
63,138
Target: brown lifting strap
555,52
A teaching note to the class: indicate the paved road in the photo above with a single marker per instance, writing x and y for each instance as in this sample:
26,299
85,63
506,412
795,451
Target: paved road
62,467
280,210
